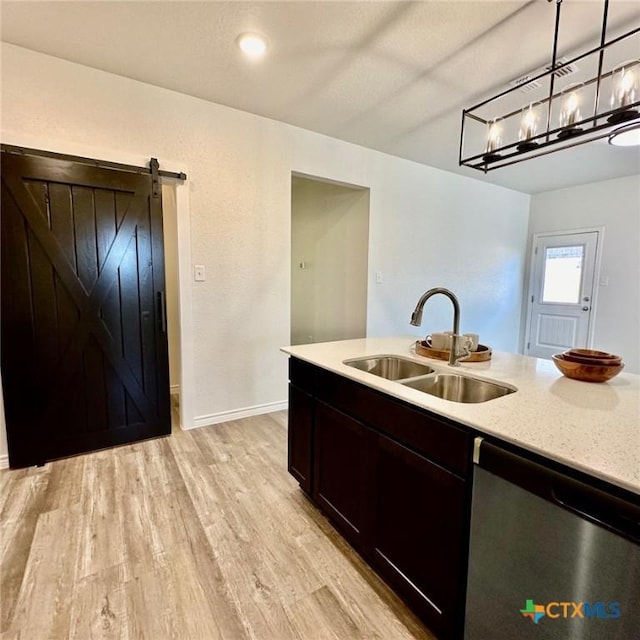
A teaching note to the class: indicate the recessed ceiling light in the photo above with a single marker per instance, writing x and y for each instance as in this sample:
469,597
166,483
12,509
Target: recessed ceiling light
253,45
627,136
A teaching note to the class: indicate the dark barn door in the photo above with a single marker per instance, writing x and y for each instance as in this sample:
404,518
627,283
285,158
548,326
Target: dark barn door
84,346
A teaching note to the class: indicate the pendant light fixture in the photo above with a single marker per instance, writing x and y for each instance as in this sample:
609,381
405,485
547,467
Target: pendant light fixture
499,132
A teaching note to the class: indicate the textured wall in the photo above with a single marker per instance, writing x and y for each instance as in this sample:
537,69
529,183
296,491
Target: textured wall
431,228
427,227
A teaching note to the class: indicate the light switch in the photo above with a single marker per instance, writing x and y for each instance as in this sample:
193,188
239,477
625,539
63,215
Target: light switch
198,273
379,277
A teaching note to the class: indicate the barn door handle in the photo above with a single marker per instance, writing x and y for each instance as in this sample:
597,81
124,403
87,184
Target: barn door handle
162,311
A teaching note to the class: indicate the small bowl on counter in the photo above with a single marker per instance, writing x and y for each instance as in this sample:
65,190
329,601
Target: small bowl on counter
591,353
596,368
576,355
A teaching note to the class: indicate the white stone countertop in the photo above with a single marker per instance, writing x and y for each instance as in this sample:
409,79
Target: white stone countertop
593,427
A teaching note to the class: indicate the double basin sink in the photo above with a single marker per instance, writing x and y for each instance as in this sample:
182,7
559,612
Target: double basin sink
448,386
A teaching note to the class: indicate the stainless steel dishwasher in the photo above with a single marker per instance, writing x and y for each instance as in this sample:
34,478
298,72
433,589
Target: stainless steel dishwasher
551,558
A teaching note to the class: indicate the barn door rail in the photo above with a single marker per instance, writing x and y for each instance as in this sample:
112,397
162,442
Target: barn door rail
150,170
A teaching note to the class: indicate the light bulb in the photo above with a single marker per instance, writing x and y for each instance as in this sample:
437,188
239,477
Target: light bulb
624,85
494,136
628,82
624,89
528,128
571,109
494,140
253,45
570,102
528,123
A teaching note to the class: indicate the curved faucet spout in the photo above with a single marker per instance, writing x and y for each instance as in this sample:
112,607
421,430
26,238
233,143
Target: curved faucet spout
416,318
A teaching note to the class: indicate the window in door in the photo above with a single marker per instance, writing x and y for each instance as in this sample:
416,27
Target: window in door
563,268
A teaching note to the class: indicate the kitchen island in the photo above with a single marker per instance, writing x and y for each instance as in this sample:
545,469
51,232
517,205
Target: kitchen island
391,466
590,427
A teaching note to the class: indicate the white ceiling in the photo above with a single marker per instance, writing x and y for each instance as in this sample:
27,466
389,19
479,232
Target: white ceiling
392,76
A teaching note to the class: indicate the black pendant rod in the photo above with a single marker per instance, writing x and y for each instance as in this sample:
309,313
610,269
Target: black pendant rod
554,61
601,57
7,148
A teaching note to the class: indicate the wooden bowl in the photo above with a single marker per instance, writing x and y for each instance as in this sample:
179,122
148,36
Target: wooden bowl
571,357
586,372
591,353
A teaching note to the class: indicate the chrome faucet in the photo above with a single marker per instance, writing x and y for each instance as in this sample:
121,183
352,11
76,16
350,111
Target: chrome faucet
416,321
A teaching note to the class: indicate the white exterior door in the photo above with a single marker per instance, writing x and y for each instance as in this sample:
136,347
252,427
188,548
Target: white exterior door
563,286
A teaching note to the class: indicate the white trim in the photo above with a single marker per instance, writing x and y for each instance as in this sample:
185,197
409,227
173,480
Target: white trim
236,414
596,279
4,462
185,304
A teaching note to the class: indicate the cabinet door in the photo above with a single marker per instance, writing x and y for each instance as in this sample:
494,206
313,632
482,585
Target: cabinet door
418,534
342,468
300,442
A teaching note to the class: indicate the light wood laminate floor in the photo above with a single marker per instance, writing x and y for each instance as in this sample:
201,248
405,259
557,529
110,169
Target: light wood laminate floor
199,535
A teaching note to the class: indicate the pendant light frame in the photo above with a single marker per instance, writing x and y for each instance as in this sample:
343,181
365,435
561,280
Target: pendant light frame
596,125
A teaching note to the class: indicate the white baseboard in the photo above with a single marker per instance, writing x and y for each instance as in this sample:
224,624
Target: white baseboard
236,414
4,462
174,388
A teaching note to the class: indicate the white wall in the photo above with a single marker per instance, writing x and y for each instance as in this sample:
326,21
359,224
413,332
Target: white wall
614,205
427,227
431,228
444,230
330,237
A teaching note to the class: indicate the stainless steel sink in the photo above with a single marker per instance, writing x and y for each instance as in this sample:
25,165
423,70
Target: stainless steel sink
390,367
457,388
449,386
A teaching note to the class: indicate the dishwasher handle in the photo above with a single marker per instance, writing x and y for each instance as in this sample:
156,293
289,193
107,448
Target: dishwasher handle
612,512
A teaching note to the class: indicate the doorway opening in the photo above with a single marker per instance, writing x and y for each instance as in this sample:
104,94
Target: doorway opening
329,260
561,309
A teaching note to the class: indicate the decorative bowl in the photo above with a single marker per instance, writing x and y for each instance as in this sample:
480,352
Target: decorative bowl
571,357
591,353
586,372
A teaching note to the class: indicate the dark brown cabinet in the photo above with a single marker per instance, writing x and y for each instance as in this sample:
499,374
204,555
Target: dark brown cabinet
301,419
393,479
419,531
300,434
342,465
